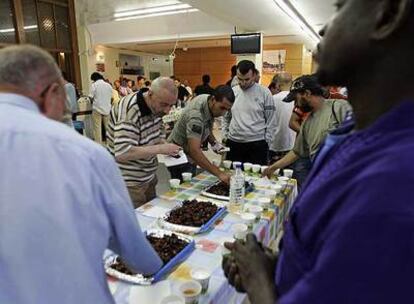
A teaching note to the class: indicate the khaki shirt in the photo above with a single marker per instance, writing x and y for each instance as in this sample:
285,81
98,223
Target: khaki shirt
196,121
318,125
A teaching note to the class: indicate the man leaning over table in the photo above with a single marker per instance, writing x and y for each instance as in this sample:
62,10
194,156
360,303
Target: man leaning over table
62,197
135,137
195,127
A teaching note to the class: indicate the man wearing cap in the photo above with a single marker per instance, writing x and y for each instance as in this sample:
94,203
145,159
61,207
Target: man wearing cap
325,116
195,127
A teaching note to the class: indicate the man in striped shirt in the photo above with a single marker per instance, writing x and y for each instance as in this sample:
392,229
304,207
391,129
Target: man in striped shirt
134,137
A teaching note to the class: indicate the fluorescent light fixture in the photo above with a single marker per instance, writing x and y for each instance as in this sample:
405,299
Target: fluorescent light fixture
11,30
158,14
287,7
152,10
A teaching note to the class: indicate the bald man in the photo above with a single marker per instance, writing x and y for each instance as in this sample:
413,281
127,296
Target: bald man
62,199
283,138
134,137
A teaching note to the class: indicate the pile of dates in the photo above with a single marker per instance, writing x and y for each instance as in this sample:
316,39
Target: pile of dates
192,213
167,248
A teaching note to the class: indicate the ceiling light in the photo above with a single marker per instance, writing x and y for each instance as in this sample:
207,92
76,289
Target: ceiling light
287,7
11,30
158,14
151,10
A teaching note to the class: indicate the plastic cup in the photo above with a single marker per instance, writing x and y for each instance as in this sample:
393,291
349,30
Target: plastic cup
264,202
288,173
248,219
256,210
223,240
227,164
216,162
173,299
283,179
277,188
191,291
202,276
247,167
271,194
256,168
239,231
174,184
236,164
187,176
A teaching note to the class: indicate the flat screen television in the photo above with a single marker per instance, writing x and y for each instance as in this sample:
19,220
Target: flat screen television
246,43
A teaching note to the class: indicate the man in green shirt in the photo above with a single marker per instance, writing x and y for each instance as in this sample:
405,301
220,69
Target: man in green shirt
195,127
325,116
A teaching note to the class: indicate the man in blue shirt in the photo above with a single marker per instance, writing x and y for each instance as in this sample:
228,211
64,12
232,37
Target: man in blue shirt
350,235
62,198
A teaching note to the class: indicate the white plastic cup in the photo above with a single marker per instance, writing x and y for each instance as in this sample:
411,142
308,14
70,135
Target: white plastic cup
256,210
216,162
271,194
191,291
247,167
224,250
283,179
174,183
236,164
173,299
187,176
277,188
239,231
263,168
202,276
256,168
288,173
248,219
227,164
264,202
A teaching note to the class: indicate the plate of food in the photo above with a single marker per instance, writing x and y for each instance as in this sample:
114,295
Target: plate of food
221,191
192,217
173,248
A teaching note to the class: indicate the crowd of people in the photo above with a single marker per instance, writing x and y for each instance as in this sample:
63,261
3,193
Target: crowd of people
64,199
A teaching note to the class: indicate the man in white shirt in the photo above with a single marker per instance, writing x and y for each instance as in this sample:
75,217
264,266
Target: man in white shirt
248,127
283,137
101,94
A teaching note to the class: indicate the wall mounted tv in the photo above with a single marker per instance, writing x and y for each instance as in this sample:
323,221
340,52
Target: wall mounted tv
246,43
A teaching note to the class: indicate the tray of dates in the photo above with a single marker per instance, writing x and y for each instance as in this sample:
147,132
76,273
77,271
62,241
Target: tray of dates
192,217
173,248
221,191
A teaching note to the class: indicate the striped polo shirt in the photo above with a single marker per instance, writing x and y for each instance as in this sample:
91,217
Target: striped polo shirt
132,124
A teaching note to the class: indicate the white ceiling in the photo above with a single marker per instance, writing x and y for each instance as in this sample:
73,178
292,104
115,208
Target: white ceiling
215,19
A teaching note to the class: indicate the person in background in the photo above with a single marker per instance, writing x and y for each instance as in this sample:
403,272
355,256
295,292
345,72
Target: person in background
204,88
146,87
140,83
183,94
232,82
131,85
101,95
351,230
71,93
325,115
273,88
188,88
135,139
195,126
124,90
74,205
283,138
248,128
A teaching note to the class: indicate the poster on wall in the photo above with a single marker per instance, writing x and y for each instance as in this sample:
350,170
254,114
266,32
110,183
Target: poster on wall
274,61
130,64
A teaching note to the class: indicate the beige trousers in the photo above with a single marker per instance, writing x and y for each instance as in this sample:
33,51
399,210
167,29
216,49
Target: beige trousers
98,119
142,194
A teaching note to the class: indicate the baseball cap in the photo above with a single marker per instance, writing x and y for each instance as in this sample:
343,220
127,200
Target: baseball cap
307,82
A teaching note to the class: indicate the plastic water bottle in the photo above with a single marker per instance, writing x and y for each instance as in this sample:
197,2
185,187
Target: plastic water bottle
236,191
